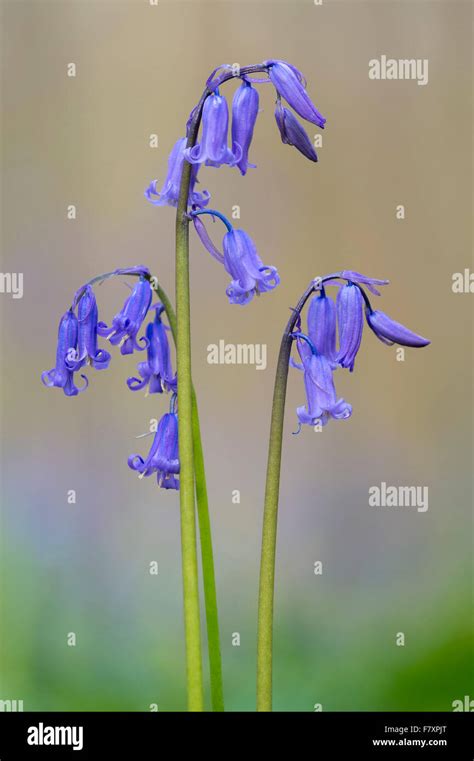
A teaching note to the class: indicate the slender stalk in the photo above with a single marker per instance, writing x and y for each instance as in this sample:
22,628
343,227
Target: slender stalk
269,533
170,313
209,581
192,625
208,575
185,420
270,515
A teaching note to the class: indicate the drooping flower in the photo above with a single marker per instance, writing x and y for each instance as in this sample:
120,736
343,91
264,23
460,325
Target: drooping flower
62,375
321,399
249,274
350,321
88,351
390,332
213,150
157,371
163,458
292,133
322,325
241,260
290,85
244,116
129,320
169,193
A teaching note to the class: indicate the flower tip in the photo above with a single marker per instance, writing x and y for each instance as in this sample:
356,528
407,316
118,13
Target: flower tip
389,331
295,433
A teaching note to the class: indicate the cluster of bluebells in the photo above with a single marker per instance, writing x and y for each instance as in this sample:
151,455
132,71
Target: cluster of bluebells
80,329
77,347
239,256
321,354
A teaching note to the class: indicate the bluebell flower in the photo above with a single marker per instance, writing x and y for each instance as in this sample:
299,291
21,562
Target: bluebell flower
322,325
244,116
163,457
351,322
213,150
62,375
292,133
241,260
291,85
249,275
321,399
169,193
391,332
88,351
129,320
156,372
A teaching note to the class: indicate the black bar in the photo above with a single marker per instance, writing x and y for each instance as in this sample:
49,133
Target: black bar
316,736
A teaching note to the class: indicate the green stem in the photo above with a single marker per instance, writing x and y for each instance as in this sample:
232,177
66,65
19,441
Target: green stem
192,625
185,419
170,313
270,516
208,575
209,581
269,534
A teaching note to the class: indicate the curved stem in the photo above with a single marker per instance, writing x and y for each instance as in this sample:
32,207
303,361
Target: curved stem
269,534
205,534
213,213
270,515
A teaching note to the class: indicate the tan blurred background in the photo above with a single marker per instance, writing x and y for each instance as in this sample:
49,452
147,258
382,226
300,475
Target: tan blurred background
84,567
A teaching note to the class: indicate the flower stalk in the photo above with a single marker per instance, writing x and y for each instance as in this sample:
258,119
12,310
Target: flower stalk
192,627
205,536
270,515
322,404
194,677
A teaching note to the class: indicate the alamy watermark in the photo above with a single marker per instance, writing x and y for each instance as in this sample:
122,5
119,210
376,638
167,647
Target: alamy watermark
463,282
399,496
464,704
11,706
47,735
12,282
237,354
399,68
